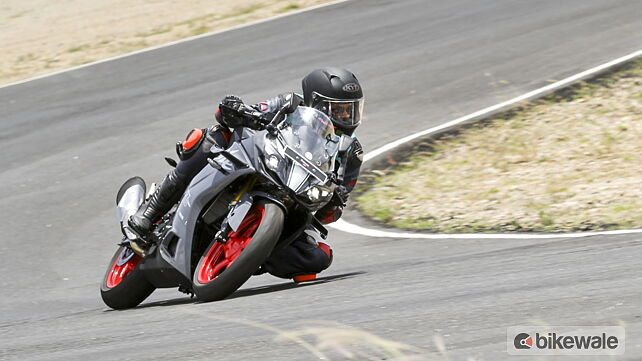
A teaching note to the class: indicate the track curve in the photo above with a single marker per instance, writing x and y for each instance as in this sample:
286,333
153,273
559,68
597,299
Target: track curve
69,140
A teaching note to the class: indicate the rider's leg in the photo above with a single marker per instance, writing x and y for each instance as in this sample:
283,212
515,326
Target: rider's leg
302,259
166,195
173,186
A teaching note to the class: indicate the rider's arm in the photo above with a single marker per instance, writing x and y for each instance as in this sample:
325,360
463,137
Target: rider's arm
273,104
332,211
353,166
228,111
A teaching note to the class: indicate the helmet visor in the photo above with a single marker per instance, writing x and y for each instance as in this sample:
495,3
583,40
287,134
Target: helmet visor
346,113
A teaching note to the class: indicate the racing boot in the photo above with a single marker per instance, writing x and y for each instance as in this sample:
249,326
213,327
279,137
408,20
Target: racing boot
166,195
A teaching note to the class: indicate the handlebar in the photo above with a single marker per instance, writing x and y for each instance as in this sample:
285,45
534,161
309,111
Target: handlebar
270,124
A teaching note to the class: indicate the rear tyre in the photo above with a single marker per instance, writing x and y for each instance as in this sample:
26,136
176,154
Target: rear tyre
124,285
223,268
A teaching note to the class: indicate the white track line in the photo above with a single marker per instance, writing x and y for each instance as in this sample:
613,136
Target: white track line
173,43
537,92
344,226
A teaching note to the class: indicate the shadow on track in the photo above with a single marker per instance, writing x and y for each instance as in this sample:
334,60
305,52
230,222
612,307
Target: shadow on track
286,286
173,302
253,291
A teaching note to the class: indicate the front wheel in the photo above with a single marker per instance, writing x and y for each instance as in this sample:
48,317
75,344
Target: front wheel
124,285
224,267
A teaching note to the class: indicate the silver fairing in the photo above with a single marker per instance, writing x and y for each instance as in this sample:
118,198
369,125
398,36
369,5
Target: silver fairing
312,146
203,188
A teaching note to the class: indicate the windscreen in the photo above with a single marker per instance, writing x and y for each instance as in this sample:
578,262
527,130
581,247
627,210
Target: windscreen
310,145
310,132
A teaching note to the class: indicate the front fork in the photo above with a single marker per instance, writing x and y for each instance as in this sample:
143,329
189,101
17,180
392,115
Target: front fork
239,206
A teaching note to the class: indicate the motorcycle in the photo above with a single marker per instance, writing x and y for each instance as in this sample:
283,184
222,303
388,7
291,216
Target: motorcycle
255,197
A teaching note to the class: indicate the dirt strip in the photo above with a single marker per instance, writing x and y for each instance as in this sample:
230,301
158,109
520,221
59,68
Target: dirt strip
42,36
568,162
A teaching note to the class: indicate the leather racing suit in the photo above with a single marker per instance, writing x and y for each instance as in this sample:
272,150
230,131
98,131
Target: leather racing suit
307,255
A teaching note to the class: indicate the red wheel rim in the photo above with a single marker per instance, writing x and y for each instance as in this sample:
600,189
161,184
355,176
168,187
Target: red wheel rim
221,255
124,263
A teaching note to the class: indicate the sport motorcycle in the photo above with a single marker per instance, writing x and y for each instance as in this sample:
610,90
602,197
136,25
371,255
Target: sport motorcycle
256,196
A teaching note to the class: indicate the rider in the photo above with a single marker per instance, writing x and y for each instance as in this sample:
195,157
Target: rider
334,91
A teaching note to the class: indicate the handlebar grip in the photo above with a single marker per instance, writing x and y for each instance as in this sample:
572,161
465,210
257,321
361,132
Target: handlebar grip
246,111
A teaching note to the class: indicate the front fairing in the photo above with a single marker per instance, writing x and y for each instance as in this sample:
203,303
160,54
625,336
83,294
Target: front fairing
302,155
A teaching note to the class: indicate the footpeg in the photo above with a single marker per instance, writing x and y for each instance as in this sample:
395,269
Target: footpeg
137,248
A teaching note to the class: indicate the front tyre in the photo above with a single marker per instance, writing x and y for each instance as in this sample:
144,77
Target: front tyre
224,267
124,285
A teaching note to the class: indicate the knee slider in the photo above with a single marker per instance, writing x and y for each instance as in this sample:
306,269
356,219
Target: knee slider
188,147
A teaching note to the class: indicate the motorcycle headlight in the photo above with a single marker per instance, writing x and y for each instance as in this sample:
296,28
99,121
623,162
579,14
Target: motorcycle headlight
273,162
318,193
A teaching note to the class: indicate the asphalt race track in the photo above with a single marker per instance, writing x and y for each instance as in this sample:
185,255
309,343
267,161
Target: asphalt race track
68,141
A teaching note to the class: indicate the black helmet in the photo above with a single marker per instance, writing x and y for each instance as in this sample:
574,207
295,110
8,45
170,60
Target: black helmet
337,93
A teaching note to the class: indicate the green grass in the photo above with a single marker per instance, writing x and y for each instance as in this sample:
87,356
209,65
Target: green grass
20,14
155,31
200,30
626,207
289,7
75,49
247,10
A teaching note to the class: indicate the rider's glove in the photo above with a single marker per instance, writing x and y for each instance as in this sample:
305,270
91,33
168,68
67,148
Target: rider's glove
231,106
340,197
232,102
233,111
236,113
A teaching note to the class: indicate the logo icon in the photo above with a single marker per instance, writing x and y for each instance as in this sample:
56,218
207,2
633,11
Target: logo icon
565,340
351,87
523,341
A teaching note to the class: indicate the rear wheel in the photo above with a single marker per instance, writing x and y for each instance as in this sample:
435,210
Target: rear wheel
224,267
124,285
